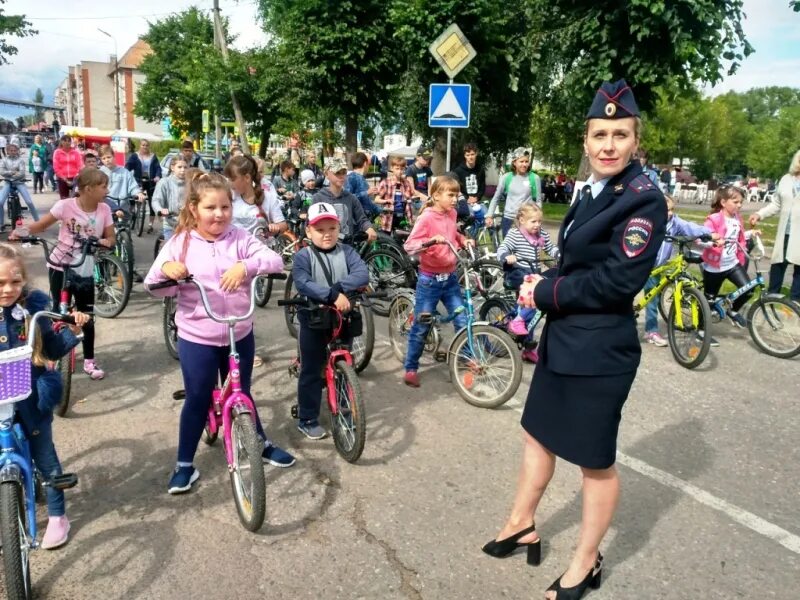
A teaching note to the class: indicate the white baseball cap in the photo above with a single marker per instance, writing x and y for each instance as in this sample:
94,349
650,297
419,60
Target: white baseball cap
321,211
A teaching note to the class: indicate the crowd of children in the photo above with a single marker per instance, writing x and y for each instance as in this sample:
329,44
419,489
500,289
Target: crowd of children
208,222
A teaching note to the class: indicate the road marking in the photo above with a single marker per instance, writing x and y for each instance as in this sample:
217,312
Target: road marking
753,522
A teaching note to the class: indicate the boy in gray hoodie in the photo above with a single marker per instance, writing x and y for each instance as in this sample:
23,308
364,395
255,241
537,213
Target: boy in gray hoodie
170,194
352,217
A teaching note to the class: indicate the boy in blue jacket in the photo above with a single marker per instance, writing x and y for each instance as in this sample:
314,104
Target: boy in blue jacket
675,227
325,272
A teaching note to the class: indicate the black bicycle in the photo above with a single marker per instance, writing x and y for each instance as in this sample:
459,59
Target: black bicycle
14,205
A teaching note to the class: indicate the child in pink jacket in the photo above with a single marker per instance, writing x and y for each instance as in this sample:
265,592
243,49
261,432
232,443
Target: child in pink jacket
224,259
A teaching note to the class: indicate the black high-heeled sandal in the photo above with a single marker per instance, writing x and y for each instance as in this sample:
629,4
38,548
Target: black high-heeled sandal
503,548
592,580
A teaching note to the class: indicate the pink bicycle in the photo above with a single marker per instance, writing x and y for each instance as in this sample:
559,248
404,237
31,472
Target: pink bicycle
233,412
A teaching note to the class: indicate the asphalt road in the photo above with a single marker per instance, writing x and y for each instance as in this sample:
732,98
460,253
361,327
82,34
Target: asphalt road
708,458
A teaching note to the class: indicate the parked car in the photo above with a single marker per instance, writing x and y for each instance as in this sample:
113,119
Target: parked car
206,160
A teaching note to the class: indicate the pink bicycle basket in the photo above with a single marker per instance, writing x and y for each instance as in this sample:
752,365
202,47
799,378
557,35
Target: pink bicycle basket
15,374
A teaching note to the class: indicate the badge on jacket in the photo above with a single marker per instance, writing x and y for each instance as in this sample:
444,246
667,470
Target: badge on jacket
636,236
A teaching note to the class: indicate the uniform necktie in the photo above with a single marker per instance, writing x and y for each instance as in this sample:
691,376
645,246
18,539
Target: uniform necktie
586,199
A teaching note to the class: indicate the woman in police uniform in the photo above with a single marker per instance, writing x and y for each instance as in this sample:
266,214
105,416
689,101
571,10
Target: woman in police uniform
589,350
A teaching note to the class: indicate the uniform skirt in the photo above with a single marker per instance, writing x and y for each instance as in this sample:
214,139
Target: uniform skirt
577,417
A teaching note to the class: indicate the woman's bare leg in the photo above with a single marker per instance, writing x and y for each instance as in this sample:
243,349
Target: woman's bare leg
535,472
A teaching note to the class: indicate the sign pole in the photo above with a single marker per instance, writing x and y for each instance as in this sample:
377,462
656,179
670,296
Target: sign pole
449,142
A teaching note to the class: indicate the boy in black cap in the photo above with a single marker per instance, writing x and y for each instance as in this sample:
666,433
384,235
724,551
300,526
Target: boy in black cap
419,175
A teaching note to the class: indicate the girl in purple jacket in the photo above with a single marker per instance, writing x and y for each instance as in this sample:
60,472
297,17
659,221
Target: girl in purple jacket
224,259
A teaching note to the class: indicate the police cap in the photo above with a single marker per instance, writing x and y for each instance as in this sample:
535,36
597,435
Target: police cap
613,101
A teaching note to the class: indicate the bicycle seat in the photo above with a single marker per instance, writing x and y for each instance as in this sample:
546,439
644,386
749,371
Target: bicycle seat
692,258
401,234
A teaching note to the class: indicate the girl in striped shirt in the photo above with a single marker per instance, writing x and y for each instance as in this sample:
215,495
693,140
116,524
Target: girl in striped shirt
520,255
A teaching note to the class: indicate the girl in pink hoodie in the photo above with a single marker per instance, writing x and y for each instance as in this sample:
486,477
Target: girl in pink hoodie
224,259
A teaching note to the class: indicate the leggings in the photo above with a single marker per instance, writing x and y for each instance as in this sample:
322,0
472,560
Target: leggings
712,282
84,302
64,187
202,367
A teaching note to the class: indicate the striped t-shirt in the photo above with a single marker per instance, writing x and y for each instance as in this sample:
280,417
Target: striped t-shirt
526,251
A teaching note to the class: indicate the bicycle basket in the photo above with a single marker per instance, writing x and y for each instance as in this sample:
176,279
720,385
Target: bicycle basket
15,374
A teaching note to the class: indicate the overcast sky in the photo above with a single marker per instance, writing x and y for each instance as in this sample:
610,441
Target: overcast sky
68,34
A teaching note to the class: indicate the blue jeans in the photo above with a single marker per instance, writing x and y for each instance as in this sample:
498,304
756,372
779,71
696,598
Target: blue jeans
43,452
506,224
651,310
428,295
22,190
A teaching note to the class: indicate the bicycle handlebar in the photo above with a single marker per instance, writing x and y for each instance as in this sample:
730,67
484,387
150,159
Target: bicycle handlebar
54,316
303,301
687,239
87,244
229,320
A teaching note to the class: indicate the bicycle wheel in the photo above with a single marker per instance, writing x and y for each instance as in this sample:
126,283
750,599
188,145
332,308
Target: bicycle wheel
774,325
125,250
141,208
14,210
401,318
388,272
665,301
487,272
349,425
364,344
263,291
486,368
689,341
169,328
494,311
16,548
66,366
290,312
247,474
112,286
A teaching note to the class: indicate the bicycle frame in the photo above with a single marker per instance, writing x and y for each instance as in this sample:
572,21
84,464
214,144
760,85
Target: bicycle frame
16,464
757,282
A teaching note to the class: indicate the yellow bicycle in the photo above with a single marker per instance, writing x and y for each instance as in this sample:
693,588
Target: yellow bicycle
683,305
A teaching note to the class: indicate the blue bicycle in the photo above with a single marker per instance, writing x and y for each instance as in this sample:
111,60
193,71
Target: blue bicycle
18,478
483,361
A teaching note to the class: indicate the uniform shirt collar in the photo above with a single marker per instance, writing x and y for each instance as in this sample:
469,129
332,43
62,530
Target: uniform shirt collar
597,186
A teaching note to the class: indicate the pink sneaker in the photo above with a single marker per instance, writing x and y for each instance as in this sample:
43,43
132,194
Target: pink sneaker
531,356
90,368
57,533
517,327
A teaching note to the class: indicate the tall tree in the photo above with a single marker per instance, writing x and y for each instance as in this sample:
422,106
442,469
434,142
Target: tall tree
13,26
502,74
38,97
184,73
342,54
654,45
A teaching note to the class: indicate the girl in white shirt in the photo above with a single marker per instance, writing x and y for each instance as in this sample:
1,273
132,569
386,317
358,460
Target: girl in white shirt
252,208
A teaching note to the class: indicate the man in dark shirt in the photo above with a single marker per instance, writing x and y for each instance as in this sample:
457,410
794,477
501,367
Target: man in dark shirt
471,175
419,174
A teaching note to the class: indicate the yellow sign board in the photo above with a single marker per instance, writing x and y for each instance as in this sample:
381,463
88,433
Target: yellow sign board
206,117
452,50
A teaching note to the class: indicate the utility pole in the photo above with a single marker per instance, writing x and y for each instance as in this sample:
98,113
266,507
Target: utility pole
223,48
116,77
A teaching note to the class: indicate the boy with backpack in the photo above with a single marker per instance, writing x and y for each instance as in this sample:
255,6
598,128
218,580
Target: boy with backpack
518,186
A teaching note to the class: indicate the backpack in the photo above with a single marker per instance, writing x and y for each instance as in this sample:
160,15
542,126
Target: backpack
532,178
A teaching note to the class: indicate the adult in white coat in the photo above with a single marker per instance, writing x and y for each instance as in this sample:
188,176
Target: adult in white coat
787,240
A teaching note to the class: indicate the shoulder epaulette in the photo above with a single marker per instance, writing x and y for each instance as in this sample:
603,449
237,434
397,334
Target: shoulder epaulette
641,183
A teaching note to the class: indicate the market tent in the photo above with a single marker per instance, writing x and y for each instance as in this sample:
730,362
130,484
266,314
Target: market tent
135,135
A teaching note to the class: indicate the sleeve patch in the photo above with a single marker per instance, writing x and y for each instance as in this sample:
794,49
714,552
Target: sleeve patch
636,236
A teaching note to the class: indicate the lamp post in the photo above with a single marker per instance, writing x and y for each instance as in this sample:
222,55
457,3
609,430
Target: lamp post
116,77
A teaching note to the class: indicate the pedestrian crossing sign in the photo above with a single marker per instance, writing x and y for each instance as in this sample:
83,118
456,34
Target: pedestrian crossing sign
449,105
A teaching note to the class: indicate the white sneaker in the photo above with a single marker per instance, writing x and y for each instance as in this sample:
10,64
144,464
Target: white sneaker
656,339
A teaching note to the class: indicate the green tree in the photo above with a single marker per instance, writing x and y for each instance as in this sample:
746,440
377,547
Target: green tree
340,53
185,74
502,74
773,144
13,26
655,45
38,97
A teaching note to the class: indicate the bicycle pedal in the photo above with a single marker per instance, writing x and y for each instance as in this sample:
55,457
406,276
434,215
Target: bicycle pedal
295,411
425,318
440,356
63,481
